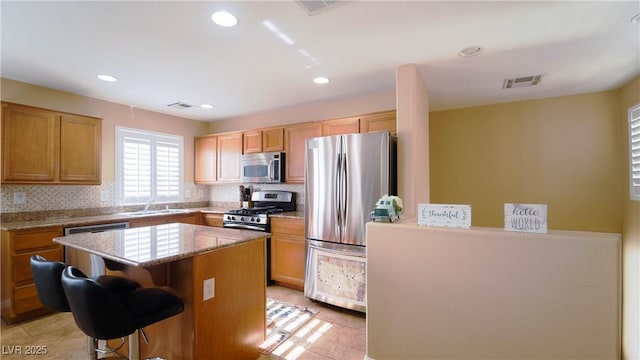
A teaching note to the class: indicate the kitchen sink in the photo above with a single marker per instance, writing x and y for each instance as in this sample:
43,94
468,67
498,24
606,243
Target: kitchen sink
154,212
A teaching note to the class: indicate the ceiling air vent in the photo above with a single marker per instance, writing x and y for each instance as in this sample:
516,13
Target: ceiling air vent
521,82
313,7
180,105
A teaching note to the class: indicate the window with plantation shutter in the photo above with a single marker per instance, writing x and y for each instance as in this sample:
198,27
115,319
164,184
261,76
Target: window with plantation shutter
634,152
149,166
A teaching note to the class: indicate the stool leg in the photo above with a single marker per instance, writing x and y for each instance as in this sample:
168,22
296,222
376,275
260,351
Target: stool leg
134,346
92,345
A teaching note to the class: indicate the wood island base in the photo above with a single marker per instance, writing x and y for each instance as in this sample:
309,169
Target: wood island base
230,325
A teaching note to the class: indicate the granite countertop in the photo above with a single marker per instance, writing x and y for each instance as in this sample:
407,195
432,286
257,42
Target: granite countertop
153,245
68,221
97,219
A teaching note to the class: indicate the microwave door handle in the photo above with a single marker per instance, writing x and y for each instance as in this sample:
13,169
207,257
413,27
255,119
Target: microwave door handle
271,170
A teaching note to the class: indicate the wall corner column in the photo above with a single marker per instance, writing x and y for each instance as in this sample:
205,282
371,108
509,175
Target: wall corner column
412,117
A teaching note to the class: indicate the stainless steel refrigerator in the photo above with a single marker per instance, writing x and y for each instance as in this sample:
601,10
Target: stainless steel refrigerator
344,177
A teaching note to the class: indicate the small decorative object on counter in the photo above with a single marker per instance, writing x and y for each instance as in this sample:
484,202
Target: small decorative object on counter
241,189
388,208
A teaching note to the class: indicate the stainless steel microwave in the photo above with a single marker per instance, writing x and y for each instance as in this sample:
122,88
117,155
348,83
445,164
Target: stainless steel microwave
262,167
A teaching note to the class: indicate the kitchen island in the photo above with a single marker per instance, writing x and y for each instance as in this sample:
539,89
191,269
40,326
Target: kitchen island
218,273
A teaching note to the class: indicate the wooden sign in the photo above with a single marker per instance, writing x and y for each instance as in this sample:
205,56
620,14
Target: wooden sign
443,215
525,217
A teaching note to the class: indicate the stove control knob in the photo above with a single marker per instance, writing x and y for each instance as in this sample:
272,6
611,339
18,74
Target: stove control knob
242,218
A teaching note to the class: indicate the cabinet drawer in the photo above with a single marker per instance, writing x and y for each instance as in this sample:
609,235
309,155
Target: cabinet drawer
28,240
22,268
25,298
287,226
212,220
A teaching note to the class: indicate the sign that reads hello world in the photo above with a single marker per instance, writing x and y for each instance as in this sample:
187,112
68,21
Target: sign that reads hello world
525,217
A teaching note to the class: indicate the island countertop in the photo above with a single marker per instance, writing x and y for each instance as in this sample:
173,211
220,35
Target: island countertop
153,245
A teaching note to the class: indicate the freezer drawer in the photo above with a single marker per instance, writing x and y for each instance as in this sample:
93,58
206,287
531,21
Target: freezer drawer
336,275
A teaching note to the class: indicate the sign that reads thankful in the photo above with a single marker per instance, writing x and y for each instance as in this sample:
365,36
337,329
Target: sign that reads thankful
456,216
525,217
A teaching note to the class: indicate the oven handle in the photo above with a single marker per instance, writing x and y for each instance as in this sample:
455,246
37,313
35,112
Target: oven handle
243,226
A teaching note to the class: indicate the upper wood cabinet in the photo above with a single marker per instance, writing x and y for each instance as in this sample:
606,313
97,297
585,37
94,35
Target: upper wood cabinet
294,146
206,148
41,146
252,142
341,126
273,139
265,140
381,121
229,152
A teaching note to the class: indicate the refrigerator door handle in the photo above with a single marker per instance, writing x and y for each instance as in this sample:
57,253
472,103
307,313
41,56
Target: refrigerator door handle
338,193
344,185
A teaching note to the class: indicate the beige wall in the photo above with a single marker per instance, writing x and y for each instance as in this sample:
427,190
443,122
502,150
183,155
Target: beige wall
112,115
629,96
563,152
373,102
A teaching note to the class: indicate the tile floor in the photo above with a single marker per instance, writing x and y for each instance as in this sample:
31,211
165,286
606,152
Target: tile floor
333,333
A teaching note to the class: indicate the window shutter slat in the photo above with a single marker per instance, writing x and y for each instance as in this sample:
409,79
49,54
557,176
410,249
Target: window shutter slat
634,152
150,166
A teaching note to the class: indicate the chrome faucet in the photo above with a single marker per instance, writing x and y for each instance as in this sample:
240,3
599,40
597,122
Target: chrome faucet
148,205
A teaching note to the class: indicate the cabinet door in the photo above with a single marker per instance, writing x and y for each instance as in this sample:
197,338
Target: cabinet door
80,149
29,144
341,126
294,143
287,259
252,142
273,140
229,151
382,121
206,159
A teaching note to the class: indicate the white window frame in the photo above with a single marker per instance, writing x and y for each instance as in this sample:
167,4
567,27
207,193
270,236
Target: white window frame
154,138
634,152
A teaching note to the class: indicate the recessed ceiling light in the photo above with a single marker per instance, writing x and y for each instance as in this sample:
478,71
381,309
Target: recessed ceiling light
206,106
321,80
224,18
470,51
108,78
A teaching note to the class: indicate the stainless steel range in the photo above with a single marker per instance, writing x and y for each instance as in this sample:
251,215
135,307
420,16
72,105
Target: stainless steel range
257,217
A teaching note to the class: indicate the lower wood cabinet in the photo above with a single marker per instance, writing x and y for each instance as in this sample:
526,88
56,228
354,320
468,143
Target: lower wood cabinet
19,295
288,251
212,219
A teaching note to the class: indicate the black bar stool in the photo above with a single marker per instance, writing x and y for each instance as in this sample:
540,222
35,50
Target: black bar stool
47,276
103,314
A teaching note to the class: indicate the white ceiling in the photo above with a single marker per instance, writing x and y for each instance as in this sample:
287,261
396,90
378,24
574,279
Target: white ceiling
164,52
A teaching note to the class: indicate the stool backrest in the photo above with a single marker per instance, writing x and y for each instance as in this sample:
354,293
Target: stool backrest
47,277
97,311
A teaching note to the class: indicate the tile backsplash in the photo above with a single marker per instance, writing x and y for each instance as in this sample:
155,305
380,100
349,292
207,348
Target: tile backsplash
65,197
230,192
